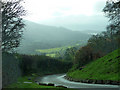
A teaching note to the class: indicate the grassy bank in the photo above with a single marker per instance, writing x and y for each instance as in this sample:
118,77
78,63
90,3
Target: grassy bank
20,83
105,68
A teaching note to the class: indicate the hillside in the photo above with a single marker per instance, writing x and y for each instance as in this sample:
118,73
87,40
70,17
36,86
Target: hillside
38,36
52,52
44,32
105,68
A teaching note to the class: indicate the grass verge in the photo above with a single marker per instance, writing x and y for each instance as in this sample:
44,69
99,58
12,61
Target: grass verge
105,68
21,83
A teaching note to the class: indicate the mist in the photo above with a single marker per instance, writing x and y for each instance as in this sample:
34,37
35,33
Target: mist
74,15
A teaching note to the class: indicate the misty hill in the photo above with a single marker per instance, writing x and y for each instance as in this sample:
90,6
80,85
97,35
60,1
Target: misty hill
37,36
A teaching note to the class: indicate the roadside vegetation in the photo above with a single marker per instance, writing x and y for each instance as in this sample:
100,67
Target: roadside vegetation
104,68
100,58
24,82
30,66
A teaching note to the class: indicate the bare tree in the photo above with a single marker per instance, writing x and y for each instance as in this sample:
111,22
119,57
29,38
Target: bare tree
12,24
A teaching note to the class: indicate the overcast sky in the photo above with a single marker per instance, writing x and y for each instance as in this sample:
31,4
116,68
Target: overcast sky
72,14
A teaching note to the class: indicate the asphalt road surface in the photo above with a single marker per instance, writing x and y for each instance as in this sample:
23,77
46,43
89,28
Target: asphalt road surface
59,79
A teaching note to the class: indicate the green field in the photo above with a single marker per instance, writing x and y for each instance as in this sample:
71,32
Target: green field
51,55
52,50
105,68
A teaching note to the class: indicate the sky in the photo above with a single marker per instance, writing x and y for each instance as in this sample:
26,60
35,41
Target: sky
73,14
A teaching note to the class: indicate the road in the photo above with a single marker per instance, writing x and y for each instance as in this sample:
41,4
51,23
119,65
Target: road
59,79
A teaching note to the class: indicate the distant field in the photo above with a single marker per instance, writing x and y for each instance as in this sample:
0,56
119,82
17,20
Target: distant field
52,51
51,55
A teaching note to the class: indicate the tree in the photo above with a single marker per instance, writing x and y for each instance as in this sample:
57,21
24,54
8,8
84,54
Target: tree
12,24
101,44
112,11
70,53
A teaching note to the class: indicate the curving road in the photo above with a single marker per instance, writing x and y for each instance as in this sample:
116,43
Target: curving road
59,79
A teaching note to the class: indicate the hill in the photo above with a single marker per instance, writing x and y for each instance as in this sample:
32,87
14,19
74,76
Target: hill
105,68
38,36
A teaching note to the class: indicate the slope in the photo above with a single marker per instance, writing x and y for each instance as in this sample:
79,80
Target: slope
38,36
105,68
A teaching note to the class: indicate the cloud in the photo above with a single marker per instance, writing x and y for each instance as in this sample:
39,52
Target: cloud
48,8
74,14
98,7
79,22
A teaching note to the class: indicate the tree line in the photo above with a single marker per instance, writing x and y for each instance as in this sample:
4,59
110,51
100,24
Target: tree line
103,43
42,65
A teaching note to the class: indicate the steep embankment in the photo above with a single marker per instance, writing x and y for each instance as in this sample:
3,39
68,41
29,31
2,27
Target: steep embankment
105,68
